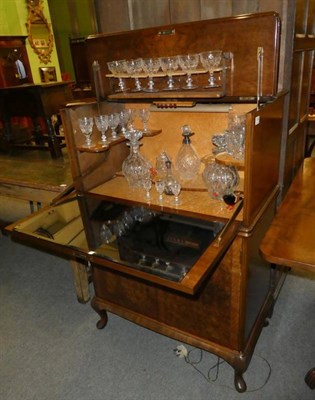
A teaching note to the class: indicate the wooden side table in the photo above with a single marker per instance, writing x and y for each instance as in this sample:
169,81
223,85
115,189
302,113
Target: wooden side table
290,240
38,101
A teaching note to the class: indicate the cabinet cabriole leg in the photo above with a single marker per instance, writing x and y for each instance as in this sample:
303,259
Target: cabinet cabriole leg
103,321
101,312
239,383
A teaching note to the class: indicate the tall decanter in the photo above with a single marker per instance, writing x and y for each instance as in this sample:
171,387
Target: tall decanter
136,168
187,161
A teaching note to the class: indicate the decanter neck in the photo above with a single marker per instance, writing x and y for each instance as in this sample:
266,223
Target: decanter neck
186,133
134,147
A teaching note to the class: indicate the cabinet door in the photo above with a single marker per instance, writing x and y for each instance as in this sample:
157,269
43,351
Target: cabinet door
262,158
164,248
56,229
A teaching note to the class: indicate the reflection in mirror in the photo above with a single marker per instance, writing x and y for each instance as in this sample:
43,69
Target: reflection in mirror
15,58
39,31
14,65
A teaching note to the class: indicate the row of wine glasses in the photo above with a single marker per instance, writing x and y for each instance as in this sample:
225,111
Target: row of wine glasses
115,228
122,121
188,64
160,188
175,188
102,123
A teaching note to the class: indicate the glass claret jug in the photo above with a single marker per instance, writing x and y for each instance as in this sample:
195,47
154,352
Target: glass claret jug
187,162
219,179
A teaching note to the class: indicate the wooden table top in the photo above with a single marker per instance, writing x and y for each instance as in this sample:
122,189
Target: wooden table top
43,85
33,175
290,240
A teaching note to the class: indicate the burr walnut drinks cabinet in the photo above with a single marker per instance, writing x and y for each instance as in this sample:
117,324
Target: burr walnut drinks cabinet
192,271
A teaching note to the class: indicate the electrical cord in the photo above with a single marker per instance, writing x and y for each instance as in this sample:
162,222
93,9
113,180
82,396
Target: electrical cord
182,352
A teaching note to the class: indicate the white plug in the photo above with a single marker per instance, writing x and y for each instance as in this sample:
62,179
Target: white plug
181,351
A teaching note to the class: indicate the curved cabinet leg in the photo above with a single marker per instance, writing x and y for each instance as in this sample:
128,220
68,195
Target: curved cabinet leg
102,322
310,378
239,383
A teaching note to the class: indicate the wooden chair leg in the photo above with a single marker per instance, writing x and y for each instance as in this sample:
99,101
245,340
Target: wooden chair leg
81,280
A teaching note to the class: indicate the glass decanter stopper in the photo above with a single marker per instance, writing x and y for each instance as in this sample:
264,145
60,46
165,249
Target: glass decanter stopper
187,161
169,179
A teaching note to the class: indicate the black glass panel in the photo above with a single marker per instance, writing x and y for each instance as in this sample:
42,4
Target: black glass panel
166,245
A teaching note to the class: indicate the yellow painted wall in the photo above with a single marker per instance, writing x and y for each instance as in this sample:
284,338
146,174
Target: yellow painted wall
13,17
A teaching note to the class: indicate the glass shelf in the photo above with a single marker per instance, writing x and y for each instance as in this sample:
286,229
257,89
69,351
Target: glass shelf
99,148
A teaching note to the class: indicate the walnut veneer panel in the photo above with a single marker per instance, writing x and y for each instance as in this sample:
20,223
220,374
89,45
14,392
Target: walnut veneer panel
213,315
240,35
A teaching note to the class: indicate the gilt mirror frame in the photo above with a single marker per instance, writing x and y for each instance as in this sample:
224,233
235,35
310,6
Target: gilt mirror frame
35,17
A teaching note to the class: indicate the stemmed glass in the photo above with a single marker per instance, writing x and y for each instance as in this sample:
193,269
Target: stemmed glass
169,65
189,63
150,67
235,135
144,115
211,61
101,122
133,68
113,122
86,126
147,184
124,117
176,188
118,68
132,116
106,235
160,186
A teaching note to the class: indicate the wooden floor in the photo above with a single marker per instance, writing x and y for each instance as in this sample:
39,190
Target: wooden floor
30,178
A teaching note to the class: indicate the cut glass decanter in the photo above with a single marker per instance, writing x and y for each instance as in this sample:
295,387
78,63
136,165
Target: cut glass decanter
136,168
187,162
